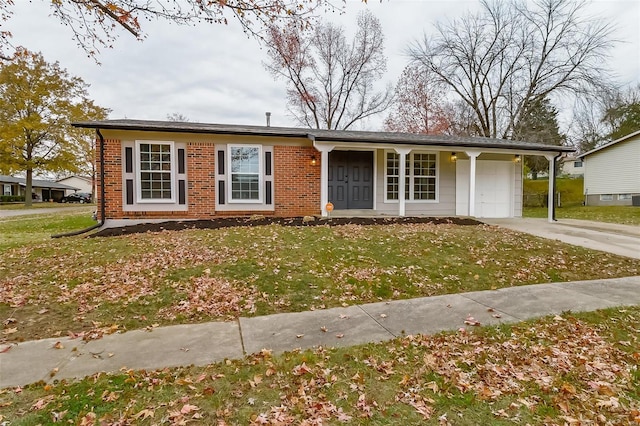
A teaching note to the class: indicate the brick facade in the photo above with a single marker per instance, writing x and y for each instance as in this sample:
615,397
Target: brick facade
296,183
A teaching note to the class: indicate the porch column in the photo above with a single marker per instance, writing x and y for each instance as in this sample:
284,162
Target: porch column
402,171
324,175
472,181
552,178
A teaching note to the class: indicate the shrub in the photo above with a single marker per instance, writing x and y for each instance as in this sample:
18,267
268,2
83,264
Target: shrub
11,198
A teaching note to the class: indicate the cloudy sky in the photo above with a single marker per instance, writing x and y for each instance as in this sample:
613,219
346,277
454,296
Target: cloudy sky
214,73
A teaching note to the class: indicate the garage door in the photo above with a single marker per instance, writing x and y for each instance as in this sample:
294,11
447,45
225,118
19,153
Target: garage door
494,180
494,188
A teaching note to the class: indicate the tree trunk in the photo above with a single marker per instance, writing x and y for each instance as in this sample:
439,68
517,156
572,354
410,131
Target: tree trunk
28,189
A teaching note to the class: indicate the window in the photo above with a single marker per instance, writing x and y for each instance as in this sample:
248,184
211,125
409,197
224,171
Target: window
155,171
606,197
7,189
245,173
624,197
577,164
420,177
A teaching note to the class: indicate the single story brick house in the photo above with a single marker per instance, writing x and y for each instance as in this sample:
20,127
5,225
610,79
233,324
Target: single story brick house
172,170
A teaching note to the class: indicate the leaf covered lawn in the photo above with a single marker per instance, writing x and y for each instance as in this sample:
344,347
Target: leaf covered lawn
92,286
563,370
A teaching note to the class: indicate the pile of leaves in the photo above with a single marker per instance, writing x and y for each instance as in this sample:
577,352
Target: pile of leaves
571,370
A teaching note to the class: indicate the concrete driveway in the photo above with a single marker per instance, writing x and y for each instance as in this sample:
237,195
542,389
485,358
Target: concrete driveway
46,210
623,240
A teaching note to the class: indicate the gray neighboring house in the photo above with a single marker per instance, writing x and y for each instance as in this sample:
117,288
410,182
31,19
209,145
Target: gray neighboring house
612,172
42,190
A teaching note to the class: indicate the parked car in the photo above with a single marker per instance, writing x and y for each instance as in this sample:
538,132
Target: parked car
77,197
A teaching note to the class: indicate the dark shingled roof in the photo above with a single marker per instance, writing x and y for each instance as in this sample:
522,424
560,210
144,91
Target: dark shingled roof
36,183
320,135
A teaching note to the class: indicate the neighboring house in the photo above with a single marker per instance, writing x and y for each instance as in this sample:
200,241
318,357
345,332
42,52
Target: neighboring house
42,190
612,172
83,183
571,166
171,170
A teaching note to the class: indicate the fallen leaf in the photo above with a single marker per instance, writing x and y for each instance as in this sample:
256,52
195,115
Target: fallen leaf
188,408
471,321
323,329
58,345
10,331
299,336
339,335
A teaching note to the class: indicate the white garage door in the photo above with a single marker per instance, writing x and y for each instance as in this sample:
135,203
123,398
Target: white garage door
494,180
494,188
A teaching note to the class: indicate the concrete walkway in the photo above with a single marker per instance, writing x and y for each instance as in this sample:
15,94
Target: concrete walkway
623,240
47,210
201,344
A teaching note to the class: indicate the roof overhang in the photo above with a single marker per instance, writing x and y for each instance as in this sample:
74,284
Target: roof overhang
342,137
607,145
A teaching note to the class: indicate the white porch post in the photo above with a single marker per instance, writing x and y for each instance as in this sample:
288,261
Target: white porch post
472,181
402,171
552,177
324,176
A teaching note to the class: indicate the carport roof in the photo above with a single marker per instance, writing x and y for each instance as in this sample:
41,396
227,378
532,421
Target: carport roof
36,183
364,137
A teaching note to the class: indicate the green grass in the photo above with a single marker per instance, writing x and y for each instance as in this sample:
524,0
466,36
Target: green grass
21,231
626,215
537,372
98,285
536,192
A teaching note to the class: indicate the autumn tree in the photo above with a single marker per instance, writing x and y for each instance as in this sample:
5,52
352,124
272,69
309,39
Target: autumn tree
419,104
331,81
515,53
96,24
624,115
38,100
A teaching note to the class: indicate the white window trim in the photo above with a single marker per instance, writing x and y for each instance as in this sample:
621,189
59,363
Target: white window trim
229,185
172,152
624,197
410,176
606,197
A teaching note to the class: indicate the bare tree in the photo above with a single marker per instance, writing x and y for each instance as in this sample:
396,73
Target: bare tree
331,81
419,105
178,117
513,54
95,24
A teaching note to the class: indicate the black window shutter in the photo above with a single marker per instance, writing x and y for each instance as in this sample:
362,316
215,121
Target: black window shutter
181,160
221,192
220,162
128,155
182,193
267,163
267,192
129,189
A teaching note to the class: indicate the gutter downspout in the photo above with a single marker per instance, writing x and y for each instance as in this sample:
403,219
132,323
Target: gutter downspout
102,194
555,174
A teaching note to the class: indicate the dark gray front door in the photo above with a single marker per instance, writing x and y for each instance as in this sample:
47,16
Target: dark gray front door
351,179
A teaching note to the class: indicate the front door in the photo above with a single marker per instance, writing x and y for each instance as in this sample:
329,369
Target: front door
351,179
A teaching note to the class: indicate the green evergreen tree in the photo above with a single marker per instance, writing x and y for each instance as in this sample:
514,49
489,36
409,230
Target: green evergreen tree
539,124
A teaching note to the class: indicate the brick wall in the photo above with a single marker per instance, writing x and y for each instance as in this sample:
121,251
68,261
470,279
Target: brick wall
296,181
201,174
113,178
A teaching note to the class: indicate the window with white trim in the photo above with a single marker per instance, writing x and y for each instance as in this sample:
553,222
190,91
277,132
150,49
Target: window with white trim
606,197
577,164
245,173
421,176
155,171
624,197
7,189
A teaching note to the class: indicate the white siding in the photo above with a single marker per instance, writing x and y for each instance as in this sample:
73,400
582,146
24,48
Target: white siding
614,170
446,187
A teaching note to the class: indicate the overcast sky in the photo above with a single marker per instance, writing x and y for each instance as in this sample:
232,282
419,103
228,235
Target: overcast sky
214,73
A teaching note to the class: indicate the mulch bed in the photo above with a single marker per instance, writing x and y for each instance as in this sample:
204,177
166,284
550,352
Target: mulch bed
227,222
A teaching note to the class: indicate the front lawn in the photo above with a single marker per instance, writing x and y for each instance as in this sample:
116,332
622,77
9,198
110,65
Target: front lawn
23,231
570,369
101,285
626,215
